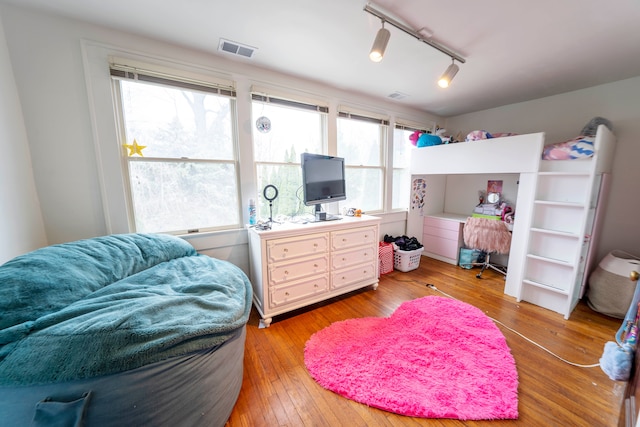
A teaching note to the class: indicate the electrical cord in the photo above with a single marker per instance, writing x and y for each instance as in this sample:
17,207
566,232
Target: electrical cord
433,287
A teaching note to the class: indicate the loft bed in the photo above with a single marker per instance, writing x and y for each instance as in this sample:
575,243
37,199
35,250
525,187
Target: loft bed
477,157
538,179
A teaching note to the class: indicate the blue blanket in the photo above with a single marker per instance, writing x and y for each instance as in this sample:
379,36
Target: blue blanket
109,304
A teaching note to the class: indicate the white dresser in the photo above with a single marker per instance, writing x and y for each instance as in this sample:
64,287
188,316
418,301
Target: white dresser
295,265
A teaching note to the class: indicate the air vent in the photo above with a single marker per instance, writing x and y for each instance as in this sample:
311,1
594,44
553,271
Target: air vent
236,48
398,95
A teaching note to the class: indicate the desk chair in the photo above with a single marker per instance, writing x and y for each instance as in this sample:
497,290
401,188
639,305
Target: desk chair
490,236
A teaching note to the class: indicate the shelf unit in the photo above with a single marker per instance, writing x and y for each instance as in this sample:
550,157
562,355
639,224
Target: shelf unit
564,227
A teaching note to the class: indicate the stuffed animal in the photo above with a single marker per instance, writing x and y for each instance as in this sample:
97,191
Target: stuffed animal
445,138
478,135
414,137
428,140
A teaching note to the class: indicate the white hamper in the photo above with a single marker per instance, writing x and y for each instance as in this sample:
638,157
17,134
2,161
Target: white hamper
610,289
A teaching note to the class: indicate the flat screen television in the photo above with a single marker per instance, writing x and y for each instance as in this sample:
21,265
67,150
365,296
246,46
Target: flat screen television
323,181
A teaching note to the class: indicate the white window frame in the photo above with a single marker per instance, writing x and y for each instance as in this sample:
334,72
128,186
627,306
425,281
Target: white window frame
383,122
289,101
118,71
401,125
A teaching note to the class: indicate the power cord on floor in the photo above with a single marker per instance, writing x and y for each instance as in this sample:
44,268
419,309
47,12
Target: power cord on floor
433,287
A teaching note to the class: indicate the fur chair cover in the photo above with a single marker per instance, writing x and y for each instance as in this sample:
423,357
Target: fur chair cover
489,235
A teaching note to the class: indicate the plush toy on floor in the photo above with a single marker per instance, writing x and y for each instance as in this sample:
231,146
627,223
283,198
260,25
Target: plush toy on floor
617,358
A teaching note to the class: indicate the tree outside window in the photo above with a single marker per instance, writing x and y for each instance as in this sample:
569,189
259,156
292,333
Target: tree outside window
293,131
184,178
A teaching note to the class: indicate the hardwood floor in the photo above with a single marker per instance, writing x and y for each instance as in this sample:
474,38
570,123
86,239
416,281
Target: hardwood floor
278,391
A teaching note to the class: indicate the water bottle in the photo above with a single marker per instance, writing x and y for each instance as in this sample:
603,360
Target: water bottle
252,212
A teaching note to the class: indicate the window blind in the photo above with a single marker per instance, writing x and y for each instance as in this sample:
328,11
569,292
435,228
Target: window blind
289,103
379,121
410,128
131,73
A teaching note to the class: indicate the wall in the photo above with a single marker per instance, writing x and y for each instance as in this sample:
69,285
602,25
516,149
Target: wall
63,101
21,225
461,194
45,53
562,117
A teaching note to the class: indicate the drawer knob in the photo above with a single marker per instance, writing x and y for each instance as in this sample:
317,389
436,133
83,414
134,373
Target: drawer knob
315,265
315,245
286,250
344,259
344,240
286,272
315,285
286,294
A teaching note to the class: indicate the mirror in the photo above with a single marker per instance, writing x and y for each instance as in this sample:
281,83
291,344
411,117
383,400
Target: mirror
493,197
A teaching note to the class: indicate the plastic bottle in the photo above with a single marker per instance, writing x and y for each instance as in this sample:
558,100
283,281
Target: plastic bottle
252,212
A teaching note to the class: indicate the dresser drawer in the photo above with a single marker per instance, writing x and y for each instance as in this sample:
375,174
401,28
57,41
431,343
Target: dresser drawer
282,272
444,233
440,246
296,247
354,237
351,257
349,276
298,291
430,221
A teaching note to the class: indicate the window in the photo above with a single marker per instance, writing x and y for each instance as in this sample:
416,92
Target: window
362,142
179,153
294,128
401,163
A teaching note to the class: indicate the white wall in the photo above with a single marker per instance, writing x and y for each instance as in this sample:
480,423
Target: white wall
46,56
47,59
562,117
21,227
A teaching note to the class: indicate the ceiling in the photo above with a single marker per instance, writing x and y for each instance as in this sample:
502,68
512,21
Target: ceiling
514,50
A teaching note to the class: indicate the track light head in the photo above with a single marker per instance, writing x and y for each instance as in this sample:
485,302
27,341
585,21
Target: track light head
449,74
379,44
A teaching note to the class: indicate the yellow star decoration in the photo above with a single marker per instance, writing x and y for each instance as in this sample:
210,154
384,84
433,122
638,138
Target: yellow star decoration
135,148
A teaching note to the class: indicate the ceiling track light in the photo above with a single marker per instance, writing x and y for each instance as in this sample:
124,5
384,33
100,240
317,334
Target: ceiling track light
449,74
379,44
451,70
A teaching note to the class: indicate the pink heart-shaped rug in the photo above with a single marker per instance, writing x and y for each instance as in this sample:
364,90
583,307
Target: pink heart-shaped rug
434,357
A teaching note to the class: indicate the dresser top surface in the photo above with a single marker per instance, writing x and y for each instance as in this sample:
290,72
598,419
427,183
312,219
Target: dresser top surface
297,228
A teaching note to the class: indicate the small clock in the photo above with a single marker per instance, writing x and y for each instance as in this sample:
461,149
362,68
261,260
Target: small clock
263,124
